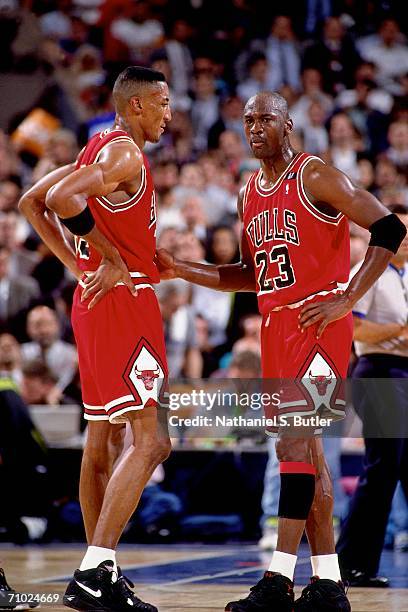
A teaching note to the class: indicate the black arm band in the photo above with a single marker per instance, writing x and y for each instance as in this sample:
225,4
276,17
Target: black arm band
388,233
81,224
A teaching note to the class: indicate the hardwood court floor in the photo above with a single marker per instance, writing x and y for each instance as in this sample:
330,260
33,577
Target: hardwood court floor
194,578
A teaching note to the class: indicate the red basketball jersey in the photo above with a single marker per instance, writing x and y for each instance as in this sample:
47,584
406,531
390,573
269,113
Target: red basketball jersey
130,225
298,251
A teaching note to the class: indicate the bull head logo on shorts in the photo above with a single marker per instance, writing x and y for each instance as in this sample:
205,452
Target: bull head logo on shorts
148,377
321,381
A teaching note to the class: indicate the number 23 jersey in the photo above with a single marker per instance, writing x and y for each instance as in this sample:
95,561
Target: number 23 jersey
298,250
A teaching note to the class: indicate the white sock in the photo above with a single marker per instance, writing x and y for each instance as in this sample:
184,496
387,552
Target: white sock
326,566
284,563
95,555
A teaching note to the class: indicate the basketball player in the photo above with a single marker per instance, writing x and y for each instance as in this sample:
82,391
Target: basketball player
294,253
107,201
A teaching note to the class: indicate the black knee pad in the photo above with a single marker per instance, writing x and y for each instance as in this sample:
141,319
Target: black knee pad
297,490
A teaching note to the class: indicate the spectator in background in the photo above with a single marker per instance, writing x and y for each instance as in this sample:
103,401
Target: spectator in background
179,55
245,364
39,385
169,214
17,293
214,310
205,108
251,338
365,174
358,247
10,191
390,186
233,150
312,92
368,107
183,355
193,214
10,164
387,51
181,131
334,56
60,357
315,137
159,61
61,149
230,119
397,151
168,239
10,359
83,76
344,144
13,232
257,79
282,53
138,31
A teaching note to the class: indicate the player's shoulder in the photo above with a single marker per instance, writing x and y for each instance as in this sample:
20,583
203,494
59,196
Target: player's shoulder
315,169
118,144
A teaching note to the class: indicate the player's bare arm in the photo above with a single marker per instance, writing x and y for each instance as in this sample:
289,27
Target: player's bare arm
326,185
229,277
374,333
45,222
115,171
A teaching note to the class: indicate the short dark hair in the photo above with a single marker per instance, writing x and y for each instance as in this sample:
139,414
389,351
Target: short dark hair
246,360
398,209
36,368
138,75
131,79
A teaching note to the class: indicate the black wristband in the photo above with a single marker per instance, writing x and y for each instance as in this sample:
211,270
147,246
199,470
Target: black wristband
388,233
80,224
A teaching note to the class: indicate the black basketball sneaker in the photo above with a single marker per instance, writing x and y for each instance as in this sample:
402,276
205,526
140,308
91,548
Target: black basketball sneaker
92,589
273,592
323,595
125,599
10,599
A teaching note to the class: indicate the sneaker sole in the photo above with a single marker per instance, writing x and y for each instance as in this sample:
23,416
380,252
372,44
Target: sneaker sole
82,607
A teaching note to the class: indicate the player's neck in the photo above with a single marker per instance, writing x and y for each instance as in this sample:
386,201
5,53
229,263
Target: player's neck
272,167
121,124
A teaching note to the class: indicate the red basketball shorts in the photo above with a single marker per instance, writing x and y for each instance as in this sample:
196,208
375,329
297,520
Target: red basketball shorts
121,353
307,373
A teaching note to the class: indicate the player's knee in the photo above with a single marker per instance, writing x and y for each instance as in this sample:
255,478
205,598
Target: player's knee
162,450
154,449
289,449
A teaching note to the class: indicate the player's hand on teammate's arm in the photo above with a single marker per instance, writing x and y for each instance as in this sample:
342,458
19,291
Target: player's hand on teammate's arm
166,264
323,313
101,281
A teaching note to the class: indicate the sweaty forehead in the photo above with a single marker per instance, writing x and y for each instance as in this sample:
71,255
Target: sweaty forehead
264,104
158,90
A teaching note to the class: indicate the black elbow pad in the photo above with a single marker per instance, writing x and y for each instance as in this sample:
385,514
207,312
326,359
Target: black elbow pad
388,233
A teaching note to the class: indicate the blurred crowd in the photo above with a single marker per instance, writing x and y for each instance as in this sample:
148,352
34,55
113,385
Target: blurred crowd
341,65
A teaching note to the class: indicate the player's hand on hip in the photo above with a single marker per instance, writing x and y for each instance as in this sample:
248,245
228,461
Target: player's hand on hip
323,313
166,264
107,276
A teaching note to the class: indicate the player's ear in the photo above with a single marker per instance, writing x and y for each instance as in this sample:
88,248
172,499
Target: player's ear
136,104
288,125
